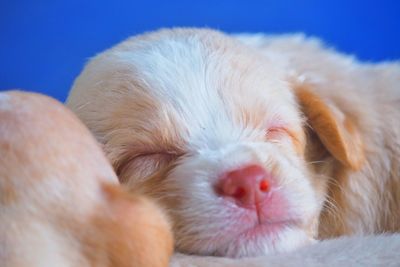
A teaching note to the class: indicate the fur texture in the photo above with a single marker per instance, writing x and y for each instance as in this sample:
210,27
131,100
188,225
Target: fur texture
346,251
60,202
177,108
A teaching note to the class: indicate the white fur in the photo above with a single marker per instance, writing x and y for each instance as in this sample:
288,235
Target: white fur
198,87
214,97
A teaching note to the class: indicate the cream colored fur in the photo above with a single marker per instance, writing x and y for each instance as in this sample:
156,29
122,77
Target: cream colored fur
369,94
60,201
175,108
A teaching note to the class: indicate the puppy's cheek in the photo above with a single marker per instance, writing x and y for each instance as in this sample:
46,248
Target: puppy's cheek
196,212
298,189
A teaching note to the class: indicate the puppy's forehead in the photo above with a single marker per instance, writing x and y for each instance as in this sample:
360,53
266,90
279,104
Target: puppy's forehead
177,72
207,85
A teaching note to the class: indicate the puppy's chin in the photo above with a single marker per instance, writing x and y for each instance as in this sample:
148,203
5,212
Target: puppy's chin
259,240
256,243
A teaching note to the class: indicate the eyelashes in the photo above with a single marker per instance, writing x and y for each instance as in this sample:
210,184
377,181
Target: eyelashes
167,155
276,133
155,159
144,164
282,135
144,161
149,162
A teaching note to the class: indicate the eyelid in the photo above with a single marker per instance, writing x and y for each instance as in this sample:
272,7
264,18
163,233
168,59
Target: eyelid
146,162
276,134
277,128
276,131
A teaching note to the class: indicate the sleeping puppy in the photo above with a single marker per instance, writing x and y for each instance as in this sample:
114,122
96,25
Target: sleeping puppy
60,202
252,144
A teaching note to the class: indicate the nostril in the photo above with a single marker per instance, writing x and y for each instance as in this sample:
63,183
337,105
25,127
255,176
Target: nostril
239,193
264,185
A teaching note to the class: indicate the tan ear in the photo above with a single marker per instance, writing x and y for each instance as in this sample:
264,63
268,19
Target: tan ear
337,132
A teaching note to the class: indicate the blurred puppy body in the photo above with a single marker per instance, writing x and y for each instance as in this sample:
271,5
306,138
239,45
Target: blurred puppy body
60,202
253,144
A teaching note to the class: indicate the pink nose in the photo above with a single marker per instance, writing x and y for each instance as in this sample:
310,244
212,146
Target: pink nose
248,186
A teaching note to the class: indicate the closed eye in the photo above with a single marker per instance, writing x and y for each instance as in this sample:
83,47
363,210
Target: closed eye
144,164
281,134
276,133
156,156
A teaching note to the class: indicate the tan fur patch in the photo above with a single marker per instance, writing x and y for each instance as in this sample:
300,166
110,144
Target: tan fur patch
298,139
133,232
54,177
341,139
332,222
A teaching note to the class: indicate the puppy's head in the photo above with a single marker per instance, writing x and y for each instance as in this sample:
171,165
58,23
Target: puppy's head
214,132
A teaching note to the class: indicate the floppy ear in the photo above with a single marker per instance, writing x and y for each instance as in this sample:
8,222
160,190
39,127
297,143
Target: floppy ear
337,132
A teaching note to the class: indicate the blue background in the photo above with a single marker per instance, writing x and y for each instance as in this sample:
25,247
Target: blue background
44,44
